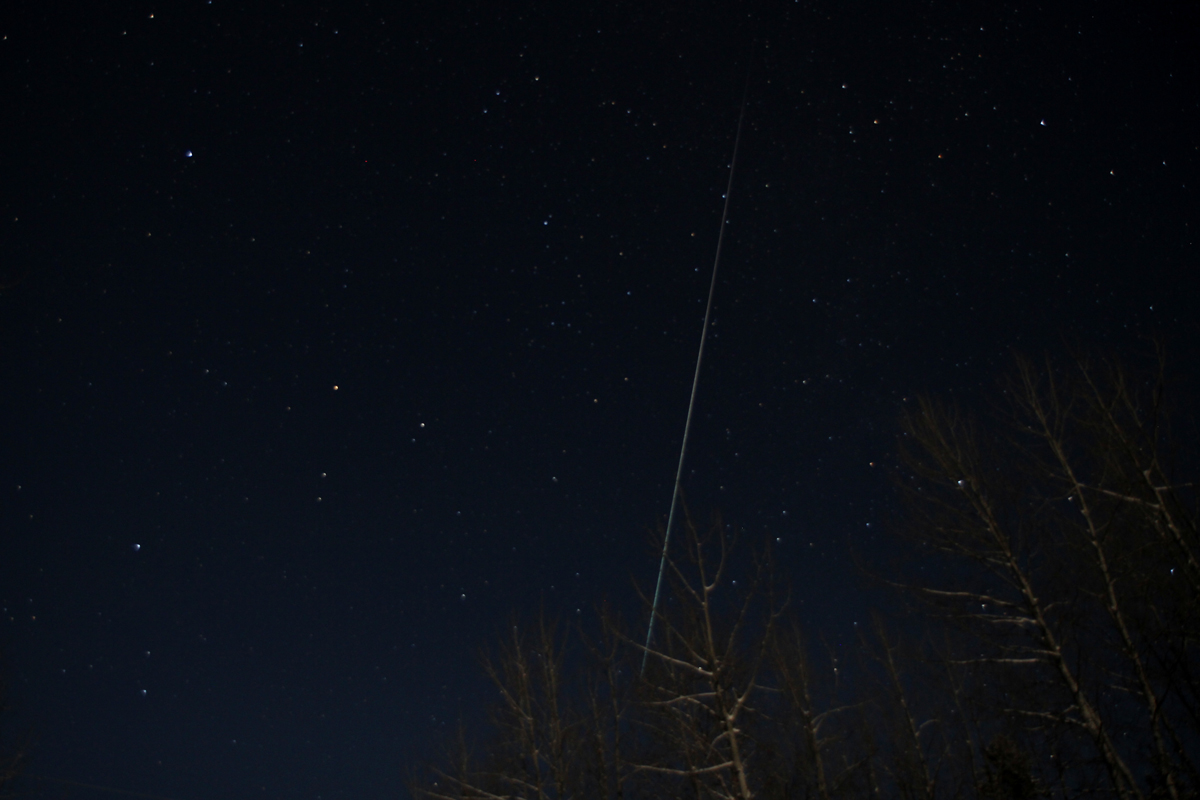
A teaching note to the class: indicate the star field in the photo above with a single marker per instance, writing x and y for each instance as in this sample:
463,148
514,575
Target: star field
334,336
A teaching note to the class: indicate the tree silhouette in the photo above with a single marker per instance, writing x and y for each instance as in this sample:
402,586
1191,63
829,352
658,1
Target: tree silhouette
12,753
1068,551
1052,652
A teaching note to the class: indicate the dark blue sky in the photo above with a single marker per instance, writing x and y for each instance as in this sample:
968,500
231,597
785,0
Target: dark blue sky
332,336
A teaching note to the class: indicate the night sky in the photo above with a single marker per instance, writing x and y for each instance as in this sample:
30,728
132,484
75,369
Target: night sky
332,336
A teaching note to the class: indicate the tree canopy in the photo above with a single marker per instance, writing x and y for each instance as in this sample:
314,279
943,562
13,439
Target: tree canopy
1051,648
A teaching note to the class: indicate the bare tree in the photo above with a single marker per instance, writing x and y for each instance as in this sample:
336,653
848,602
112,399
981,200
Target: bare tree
730,706
813,739
706,667
822,721
1055,525
542,747
1055,555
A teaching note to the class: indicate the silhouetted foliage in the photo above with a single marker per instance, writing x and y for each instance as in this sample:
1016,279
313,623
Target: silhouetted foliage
12,753
1008,772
